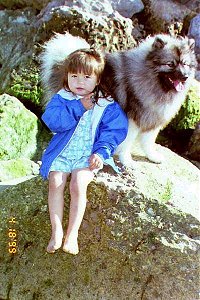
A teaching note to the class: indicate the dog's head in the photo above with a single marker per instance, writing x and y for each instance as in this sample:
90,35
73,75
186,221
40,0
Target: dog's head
173,61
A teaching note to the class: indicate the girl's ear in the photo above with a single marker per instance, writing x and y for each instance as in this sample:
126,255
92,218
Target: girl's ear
98,81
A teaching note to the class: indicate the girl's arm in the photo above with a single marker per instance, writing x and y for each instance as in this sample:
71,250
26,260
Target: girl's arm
112,131
61,114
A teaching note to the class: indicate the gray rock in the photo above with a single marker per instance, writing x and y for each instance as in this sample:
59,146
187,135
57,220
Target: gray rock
134,244
194,144
12,4
194,32
127,8
167,15
95,21
17,38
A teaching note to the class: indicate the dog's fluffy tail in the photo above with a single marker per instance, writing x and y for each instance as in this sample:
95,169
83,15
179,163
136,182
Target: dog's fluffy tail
55,51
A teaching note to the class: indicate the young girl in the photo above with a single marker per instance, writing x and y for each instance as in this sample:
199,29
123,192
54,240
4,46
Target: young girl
87,129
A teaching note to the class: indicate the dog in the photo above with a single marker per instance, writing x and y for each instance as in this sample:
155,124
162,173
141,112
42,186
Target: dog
150,82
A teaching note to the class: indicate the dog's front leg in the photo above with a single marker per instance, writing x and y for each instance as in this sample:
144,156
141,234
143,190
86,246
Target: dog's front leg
125,148
147,140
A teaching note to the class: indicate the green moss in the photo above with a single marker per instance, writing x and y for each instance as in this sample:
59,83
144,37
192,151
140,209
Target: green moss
26,85
17,168
167,194
18,130
189,113
11,169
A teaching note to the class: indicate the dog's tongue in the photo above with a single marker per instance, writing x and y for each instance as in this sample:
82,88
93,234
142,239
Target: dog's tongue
178,85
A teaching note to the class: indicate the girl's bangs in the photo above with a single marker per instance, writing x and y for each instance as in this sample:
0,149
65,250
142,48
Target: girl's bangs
86,66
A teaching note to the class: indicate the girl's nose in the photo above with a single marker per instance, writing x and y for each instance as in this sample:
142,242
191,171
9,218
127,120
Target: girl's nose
80,79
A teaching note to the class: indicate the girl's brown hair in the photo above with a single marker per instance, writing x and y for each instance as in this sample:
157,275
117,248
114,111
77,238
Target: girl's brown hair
88,61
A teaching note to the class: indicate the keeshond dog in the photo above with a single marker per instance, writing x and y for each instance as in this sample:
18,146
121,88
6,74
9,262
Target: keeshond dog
150,83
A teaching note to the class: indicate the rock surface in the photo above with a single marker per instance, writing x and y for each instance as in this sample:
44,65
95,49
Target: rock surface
194,144
140,236
18,130
16,168
133,244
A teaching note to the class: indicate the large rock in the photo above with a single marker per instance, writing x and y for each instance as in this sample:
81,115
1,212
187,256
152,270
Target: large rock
127,8
13,4
17,168
18,131
193,151
134,242
95,21
194,33
17,39
22,134
163,16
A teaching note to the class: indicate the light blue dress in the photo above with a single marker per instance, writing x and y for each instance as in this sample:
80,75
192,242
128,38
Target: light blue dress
76,153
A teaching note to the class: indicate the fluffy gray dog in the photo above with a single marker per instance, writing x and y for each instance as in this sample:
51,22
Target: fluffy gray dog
150,82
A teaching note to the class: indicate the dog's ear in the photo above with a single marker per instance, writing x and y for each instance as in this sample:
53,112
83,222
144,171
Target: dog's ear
158,43
191,43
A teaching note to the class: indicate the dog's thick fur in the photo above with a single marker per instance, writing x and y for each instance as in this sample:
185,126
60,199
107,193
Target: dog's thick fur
150,82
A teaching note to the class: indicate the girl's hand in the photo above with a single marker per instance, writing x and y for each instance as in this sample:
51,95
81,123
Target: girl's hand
95,162
87,101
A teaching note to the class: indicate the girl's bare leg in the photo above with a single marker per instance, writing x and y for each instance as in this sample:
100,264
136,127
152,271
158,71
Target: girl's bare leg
57,181
78,190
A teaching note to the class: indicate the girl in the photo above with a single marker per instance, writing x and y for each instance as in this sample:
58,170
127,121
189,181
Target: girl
87,128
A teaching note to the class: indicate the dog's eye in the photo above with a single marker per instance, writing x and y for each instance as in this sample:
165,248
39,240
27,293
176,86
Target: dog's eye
170,64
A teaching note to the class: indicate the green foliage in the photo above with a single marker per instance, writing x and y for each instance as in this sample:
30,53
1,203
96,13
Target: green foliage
26,85
189,113
167,194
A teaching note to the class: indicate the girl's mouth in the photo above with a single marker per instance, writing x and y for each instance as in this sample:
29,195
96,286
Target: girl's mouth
79,89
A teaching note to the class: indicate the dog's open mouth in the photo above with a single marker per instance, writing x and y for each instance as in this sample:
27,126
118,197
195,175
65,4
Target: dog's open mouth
170,81
177,84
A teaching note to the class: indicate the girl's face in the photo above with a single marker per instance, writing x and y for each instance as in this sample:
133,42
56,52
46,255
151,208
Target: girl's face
81,84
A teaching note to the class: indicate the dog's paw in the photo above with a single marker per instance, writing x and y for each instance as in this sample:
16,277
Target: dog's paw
155,157
127,161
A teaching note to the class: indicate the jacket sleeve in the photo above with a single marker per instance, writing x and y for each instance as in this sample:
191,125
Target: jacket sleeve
112,131
61,114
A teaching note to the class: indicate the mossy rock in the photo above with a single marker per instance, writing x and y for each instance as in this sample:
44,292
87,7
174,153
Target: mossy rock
189,113
25,84
16,168
18,131
131,247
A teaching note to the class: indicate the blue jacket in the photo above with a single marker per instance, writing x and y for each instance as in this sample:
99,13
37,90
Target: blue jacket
62,115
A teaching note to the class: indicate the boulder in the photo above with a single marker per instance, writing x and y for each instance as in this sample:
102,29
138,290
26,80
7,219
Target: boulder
194,33
127,8
18,131
94,21
167,15
193,151
22,134
139,238
21,4
17,168
17,39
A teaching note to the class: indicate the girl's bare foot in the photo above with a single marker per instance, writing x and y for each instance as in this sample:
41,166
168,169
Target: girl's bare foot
71,245
55,241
